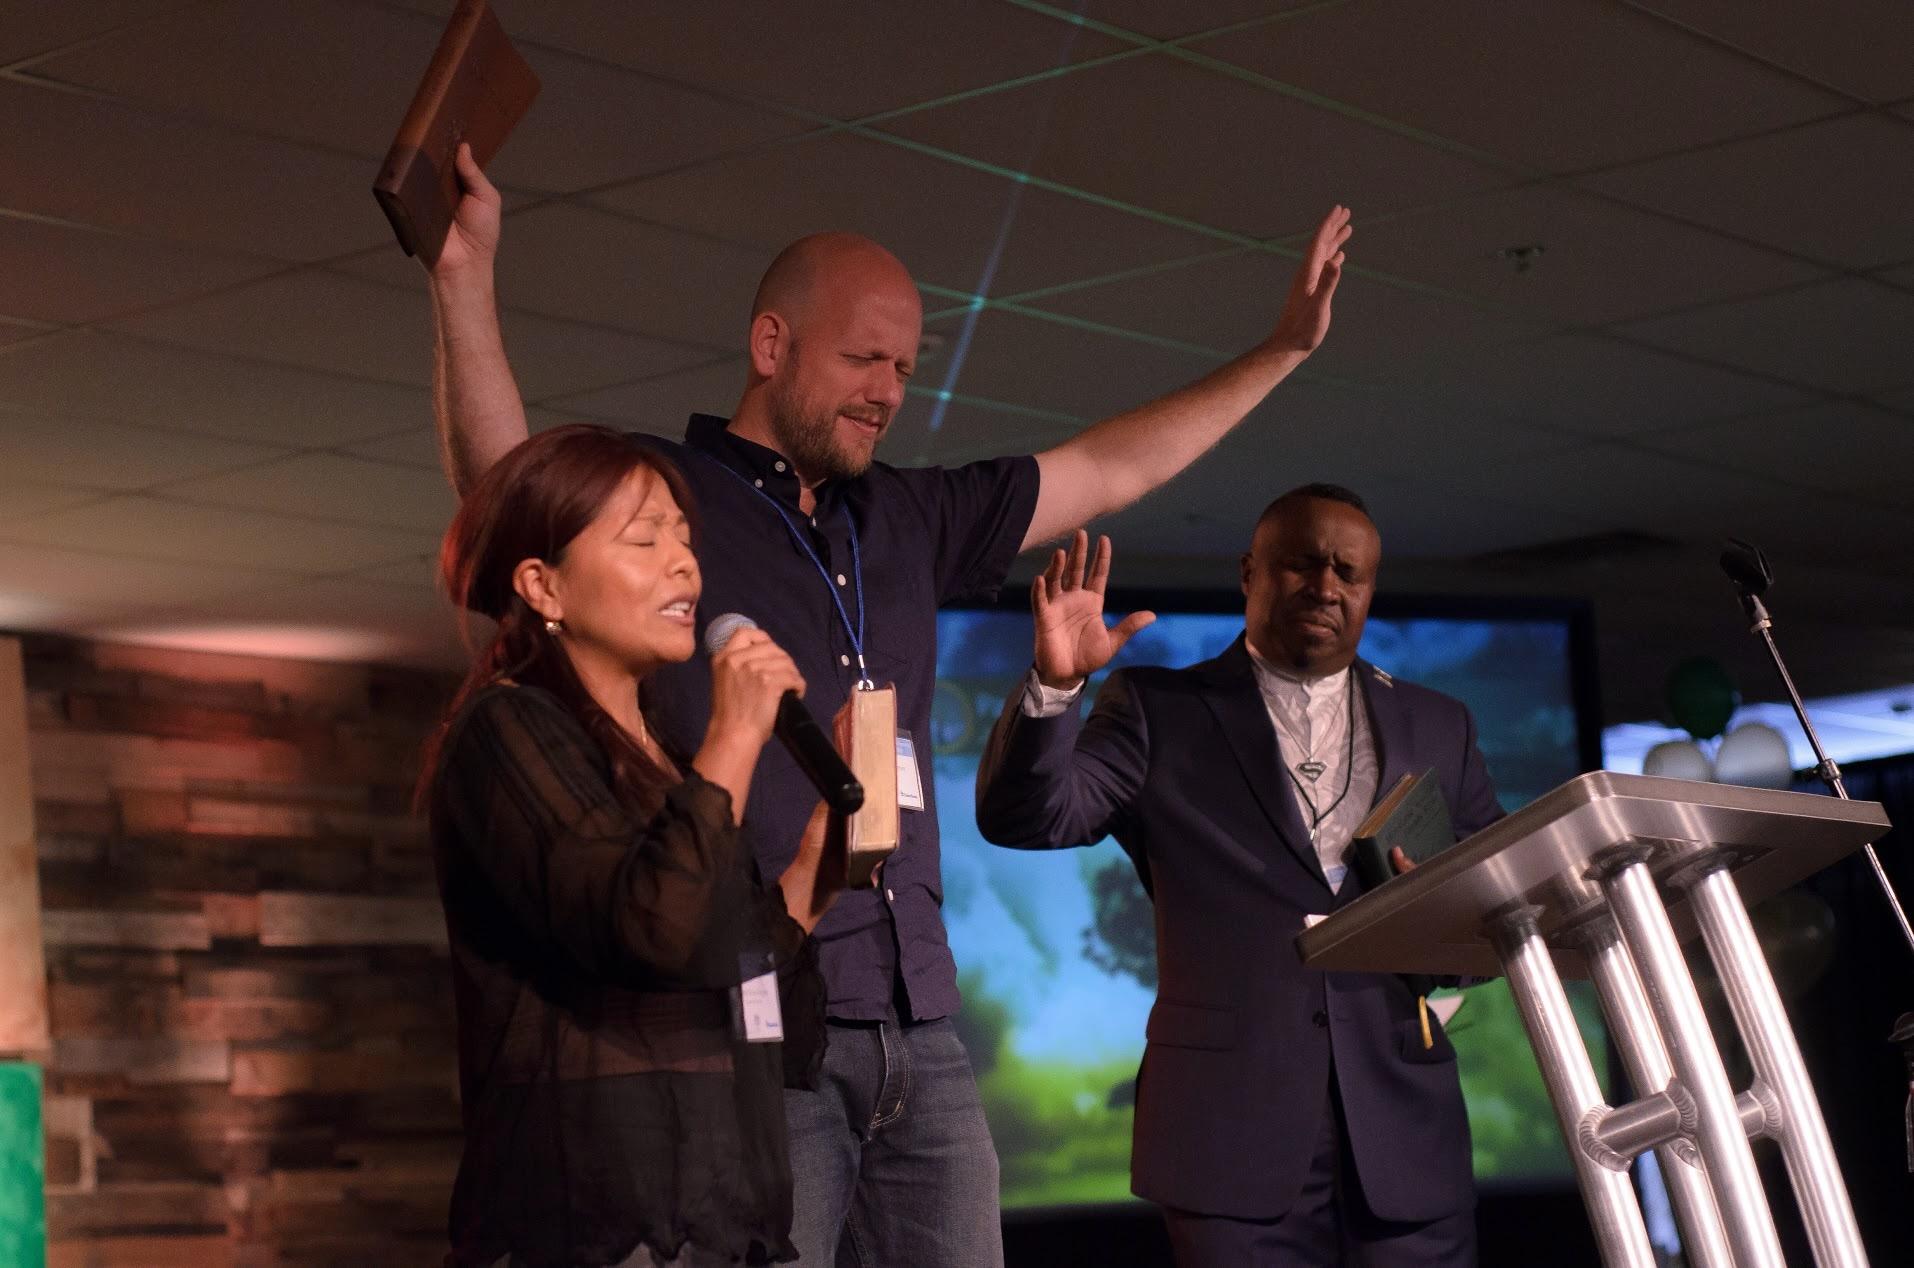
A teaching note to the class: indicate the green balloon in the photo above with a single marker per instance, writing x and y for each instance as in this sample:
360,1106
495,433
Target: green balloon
1702,697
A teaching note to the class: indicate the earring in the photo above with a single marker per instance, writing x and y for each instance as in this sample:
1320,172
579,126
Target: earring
553,627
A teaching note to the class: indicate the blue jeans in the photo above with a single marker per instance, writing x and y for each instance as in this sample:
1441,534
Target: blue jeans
891,1159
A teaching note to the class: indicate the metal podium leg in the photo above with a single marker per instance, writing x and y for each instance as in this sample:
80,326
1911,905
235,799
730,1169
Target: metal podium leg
1608,1194
1632,1022
1816,1175
1719,1134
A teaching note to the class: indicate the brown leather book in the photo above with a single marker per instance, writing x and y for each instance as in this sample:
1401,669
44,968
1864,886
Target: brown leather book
476,90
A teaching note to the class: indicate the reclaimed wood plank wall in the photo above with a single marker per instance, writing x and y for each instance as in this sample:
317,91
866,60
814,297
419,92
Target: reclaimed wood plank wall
251,1052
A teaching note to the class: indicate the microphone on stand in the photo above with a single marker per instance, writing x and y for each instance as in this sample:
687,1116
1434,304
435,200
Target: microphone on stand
798,731
1748,568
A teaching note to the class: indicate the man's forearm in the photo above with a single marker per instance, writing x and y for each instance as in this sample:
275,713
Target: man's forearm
475,399
1111,464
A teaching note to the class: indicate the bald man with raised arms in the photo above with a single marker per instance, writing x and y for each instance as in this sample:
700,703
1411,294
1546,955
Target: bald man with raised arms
845,561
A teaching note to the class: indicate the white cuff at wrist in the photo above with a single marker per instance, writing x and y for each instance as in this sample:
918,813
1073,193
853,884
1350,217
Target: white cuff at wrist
1040,701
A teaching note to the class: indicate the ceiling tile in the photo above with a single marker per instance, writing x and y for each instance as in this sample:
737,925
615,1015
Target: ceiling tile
326,321
42,587
417,574
846,60
62,274
1212,508
663,405
1859,46
1846,335
177,181
1835,191
335,74
31,27
571,262
52,449
1560,87
418,449
1614,486
1165,135
1186,17
1040,364
1591,385
1837,447
158,528
17,330
113,377
332,487
554,357
1230,303
341,75
309,318
23,499
1313,431
930,432
954,226
1600,261
595,124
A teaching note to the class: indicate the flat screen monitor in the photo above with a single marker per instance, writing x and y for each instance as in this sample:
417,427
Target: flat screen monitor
1055,949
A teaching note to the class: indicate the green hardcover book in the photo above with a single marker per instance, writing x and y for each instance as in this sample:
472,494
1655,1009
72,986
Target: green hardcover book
1412,815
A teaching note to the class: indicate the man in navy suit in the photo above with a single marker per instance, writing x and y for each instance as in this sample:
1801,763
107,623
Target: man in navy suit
1283,1115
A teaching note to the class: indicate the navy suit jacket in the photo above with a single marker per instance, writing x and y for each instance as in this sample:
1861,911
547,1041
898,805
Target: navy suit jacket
1182,767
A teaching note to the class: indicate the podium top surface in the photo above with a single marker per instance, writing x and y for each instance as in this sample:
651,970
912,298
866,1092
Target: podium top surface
1433,919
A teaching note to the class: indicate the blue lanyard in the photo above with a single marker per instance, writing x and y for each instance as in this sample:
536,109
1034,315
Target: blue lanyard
854,632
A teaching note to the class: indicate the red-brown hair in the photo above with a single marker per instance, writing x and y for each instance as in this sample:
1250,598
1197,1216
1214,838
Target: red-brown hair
531,505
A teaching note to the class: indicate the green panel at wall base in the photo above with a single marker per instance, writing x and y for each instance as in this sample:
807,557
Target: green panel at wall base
23,1221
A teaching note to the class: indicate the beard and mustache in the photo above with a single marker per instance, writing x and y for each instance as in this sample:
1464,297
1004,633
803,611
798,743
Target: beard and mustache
807,431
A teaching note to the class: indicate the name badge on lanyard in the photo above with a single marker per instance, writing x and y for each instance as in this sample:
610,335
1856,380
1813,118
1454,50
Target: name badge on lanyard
910,781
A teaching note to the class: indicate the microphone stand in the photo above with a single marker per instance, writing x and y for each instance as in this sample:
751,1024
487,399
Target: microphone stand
1748,568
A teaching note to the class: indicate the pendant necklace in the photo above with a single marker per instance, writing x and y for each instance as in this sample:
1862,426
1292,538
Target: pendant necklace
1314,769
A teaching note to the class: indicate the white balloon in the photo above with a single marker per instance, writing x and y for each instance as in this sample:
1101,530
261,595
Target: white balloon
1678,759
1755,755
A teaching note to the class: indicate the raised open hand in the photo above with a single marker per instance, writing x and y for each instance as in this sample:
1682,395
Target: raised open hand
473,238
1305,317
1067,601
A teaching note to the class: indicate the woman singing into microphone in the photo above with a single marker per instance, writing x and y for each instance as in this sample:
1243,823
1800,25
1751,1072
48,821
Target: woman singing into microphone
602,912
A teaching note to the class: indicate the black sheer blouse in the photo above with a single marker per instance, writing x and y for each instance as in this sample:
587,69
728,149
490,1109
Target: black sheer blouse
607,1103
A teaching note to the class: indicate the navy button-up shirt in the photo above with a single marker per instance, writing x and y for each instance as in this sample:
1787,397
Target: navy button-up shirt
927,536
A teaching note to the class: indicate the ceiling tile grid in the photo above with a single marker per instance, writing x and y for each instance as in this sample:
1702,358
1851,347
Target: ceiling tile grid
147,527
1835,191
1180,139
1581,84
215,367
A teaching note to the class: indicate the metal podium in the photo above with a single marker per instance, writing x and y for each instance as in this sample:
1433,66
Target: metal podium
1604,878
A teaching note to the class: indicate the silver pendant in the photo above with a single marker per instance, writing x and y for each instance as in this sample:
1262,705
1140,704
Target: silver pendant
1312,768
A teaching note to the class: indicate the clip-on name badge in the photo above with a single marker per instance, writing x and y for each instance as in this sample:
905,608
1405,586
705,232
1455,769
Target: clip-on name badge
756,1015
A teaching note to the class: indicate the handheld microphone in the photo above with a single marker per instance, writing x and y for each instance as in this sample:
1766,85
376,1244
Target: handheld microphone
798,731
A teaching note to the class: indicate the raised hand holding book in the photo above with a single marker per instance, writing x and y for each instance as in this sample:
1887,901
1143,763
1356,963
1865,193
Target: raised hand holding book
475,90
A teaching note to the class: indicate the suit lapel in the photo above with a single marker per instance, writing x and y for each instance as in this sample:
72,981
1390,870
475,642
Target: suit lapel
1389,732
1234,698
1388,726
